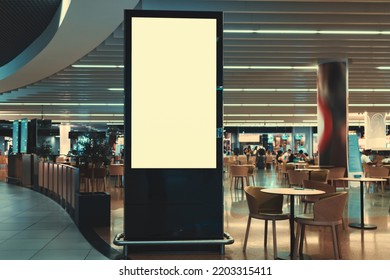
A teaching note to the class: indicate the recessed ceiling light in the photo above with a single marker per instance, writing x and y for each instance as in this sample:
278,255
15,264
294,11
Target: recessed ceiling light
116,89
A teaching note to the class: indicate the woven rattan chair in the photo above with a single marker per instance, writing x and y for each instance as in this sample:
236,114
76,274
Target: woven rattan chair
267,207
334,173
238,174
327,212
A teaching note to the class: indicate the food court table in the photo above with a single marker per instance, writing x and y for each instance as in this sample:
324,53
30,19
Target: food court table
309,170
362,225
292,192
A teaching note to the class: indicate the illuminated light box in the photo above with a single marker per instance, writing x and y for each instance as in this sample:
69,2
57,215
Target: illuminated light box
173,93
23,136
15,137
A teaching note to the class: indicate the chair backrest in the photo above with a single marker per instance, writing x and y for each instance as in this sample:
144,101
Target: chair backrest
296,178
238,171
252,160
366,169
320,175
251,169
259,201
310,184
99,172
269,159
115,170
290,166
378,172
242,159
283,167
330,208
336,172
3,160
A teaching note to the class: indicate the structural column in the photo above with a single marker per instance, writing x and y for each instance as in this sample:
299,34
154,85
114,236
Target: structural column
64,138
332,101
375,130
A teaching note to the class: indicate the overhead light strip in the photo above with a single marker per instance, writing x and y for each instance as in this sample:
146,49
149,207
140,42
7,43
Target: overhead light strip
276,67
270,67
309,32
116,89
61,115
285,115
270,105
301,90
59,104
97,66
300,105
270,89
87,121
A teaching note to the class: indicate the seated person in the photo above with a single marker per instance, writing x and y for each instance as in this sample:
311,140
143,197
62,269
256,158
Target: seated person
365,158
286,156
291,157
386,161
303,156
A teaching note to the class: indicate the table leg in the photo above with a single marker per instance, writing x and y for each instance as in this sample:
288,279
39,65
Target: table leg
292,227
362,225
290,255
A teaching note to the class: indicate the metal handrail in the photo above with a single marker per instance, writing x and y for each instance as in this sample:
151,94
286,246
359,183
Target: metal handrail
228,239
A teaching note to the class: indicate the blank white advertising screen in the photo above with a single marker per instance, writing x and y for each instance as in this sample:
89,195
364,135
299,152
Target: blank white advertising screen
173,92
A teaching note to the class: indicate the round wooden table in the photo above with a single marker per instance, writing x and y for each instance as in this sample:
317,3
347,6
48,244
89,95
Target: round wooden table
309,170
362,225
292,192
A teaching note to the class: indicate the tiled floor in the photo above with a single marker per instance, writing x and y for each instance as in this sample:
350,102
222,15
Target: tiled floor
33,227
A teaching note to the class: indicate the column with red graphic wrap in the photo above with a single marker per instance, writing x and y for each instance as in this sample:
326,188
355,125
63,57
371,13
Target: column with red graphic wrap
332,101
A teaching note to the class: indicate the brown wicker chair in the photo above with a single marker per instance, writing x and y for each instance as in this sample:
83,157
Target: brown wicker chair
327,212
309,184
379,172
264,206
334,173
320,175
296,178
238,173
117,171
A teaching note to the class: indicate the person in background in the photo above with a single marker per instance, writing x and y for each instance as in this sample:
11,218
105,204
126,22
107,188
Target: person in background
302,157
254,152
365,157
260,158
279,156
286,156
291,156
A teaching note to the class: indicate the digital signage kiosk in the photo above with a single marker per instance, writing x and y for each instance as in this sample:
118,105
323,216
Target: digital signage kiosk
173,126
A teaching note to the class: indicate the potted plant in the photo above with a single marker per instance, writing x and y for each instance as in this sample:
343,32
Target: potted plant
95,152
93,207
43,151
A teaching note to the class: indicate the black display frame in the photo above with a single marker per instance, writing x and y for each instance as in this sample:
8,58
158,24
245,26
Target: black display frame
174,203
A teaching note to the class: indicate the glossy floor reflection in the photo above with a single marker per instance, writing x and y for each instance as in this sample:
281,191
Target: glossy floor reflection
34,227
355,244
